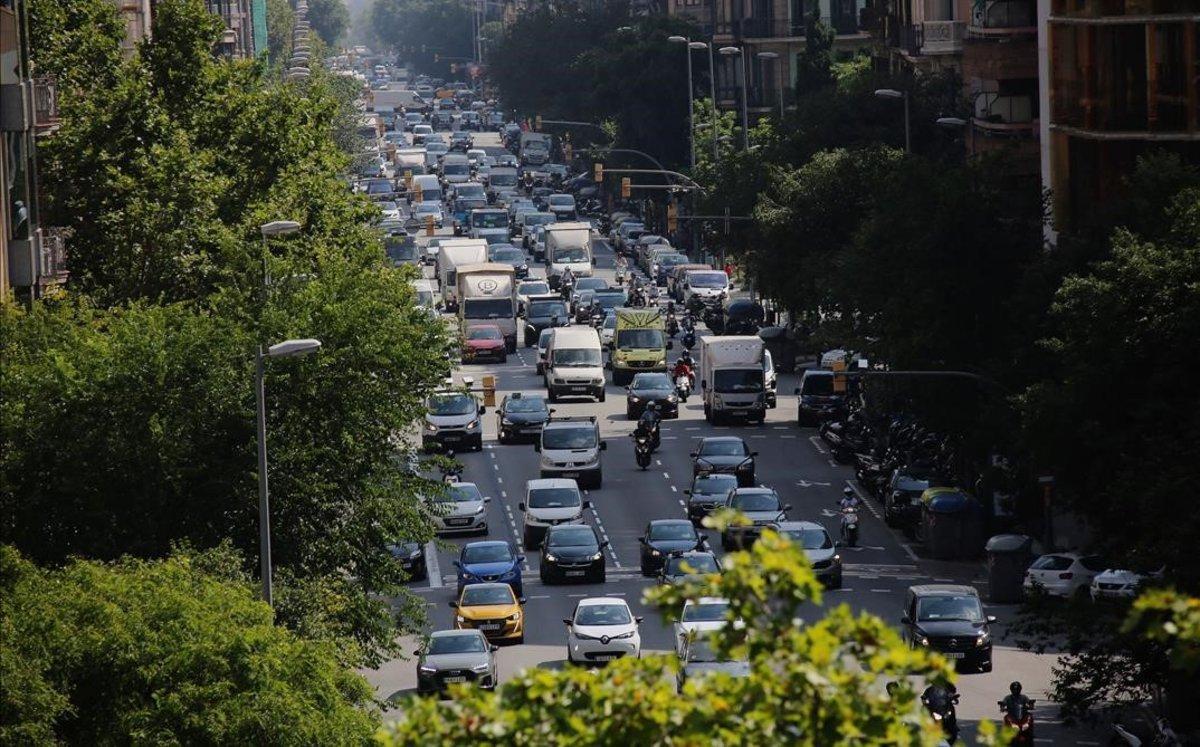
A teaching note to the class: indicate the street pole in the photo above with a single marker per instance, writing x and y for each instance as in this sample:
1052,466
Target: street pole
745,104
712,90
691,107
264,506
779,76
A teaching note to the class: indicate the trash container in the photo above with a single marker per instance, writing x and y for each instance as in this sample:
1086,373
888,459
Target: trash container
949,519
1008,556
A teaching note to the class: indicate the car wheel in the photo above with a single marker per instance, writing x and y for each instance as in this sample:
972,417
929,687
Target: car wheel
539,370
601,395
552,395
836,584
601,577
629,414
598,481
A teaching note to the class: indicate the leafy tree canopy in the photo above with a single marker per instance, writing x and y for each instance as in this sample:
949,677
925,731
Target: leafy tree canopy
329,18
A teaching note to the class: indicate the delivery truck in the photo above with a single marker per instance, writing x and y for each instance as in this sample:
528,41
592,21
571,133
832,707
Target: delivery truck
487,294
452,254
639,344
535,148
732,382
568,245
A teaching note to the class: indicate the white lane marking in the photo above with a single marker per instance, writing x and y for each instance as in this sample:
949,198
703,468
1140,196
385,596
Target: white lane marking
669,438
492,454
779,427
495,466
503,493
539,596
674,489
658,462
682,503
863,499
692,428
432,569
943,580
841,589
787,436
667,475
882,591
758,437
500,480
816,442
909,551
832,463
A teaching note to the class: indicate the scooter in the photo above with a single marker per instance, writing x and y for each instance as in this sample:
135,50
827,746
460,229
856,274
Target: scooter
850,526
1163,736
642,449
683,387
672,325
452,472
1022,721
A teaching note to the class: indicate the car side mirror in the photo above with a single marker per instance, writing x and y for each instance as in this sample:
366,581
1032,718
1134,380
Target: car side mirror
603,544
638,620
457,564
553,410
990,619
753,454
693,454
453,605
604,446
838,543
520,558
786,507
487,499
796,390
521,506
494,648
520,600
641,540
566,621
416,652
687,491
482,409
905,620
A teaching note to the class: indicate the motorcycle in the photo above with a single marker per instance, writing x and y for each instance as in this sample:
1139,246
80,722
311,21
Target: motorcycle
683,387
689,340
850,526
1020,718
452,471
940,704
642,450
672,325
1161,736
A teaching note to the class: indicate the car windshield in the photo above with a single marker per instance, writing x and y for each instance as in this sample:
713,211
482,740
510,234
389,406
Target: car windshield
591,284
708,279
610,301
456,169
603,614
738,380
544,340
427,208
673,531
456,644
910,485
487,594
508,255
701,650
554,498
548,309
577,357
695,564
651,381
502,180
1051,563
956,607
641,339
539,219
470,190
819,385
484,333
570,254
499,553
400,248
380,187
810,539
569,438
714,485
610,322
461,492
489,220
562,200
526,404
755,501
487,308
705,612
667,260
533,289
723,448
451,404
571,537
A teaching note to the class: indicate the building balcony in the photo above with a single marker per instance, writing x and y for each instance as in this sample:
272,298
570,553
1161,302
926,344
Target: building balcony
54,256
1006,115
1002,19
910,38
943,37
45,105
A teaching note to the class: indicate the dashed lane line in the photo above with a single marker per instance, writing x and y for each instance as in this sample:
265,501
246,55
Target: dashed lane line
816,442
863,499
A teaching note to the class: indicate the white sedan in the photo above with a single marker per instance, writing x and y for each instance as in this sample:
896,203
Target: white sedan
1119,583
702,615
602,629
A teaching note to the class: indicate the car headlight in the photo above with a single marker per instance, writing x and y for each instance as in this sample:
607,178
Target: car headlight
923,641
479,510
431,427
481,668
717,400
671,398
599,380
551,558
557,380
623,635
472,424
635,400
426,670
654,553
597,556
459,619
506,421
514,617
983,638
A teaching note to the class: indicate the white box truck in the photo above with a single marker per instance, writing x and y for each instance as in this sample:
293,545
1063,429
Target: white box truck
732,382
453,254
487,294
568,245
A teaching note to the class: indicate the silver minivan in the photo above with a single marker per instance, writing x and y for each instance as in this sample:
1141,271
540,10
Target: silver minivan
549,502
570,448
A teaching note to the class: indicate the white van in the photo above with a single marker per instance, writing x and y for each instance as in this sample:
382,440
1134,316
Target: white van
570,448
427,294
428,186
549,502
574,364
455,168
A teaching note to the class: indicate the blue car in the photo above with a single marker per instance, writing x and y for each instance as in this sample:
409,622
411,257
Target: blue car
489,562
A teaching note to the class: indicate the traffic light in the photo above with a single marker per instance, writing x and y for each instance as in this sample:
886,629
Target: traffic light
599,172
672,218
626,187
489,390
537,123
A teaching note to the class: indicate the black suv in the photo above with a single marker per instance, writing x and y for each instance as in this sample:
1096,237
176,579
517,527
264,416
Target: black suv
543,312
728,454
521,415
949,619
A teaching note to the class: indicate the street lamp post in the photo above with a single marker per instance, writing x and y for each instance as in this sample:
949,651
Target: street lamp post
691,111
891,93
729,52
778,74
268,230
712,85
287,349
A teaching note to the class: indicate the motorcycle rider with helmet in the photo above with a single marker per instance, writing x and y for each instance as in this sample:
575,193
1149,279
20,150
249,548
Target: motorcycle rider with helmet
1017,708
648,424
683,367
849,500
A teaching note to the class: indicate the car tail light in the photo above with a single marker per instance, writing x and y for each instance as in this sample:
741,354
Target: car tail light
1066,576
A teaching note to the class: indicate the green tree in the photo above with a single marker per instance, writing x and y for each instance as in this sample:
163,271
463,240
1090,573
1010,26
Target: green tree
280,21
170,651
76,41
814,680
329,18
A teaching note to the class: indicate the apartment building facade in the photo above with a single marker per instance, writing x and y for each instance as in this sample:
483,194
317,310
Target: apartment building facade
999,68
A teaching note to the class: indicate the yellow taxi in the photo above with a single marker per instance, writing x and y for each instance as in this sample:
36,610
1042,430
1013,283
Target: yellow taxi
492,608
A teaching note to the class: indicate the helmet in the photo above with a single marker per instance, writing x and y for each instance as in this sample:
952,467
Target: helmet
1015,688
848,492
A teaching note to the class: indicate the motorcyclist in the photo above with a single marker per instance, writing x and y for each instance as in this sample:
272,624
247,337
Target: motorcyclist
1016,704
648,423
683,367
567,280
849,500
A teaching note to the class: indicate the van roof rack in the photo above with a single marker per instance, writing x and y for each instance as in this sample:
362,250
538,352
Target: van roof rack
573,419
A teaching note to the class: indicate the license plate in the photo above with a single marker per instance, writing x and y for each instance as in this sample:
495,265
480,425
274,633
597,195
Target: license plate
458,522
451,438
574,573
490,626
570,474
451,680
954,655
606,657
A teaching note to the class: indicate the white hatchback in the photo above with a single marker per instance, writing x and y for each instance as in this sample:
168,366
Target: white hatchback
699,616
602,629
1063,574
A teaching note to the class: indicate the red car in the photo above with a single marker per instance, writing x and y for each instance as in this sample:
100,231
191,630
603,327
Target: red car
485,341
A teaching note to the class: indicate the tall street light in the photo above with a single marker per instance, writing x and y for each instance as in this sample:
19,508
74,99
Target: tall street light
286,349
270,230
712,86
891,93
691,111
729,52
778,74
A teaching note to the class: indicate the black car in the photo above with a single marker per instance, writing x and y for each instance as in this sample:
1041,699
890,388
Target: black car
611,298
902,498
742,317
708,493
728,454
521,415
949,619
543,312
572,552
818,400
412,559
651,387
584,304
666,536
762,506
683,566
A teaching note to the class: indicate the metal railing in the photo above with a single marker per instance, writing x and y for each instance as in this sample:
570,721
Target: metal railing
911,38
943,36
54,254
45,102
1004,14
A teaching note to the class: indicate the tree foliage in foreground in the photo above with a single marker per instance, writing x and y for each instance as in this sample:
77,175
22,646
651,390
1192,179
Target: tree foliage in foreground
177,651
814,680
